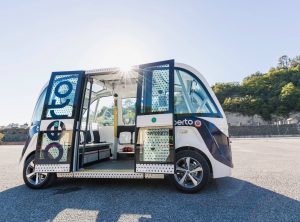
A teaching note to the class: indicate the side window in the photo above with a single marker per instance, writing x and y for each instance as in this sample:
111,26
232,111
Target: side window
93,111
104,115
191,96
37,113
128,111
101,112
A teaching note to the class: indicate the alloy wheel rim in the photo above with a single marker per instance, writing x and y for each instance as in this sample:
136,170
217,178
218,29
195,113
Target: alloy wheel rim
33,177
188,172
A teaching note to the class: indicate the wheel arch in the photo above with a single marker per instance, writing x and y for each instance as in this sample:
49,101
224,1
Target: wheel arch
29,155
198,151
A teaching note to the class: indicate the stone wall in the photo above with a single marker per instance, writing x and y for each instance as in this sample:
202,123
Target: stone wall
238,119
265,130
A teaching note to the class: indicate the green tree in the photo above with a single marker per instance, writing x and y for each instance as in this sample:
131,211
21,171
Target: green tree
275,92
284,62
128,111
225,90
295,61
290,97
106,116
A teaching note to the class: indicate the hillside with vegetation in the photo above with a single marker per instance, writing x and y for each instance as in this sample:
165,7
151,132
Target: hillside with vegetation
276,92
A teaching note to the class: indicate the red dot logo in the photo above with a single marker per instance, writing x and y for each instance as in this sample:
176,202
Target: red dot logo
197,123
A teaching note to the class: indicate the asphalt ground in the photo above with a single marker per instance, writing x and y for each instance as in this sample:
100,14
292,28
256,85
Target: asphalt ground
265,186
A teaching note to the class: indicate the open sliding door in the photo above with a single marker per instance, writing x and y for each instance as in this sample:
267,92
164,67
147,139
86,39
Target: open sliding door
154,138
59,122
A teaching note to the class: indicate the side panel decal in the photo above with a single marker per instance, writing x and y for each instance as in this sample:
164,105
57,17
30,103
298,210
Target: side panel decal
216,141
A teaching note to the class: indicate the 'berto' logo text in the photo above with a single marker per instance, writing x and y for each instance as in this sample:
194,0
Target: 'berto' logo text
188,122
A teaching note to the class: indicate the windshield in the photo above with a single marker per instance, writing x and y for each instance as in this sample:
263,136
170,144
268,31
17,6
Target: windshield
37,113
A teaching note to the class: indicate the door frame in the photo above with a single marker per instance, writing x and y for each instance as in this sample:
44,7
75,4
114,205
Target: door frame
76,164
45,166
141,77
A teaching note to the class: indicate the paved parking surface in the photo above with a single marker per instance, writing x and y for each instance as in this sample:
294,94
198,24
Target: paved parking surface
265,186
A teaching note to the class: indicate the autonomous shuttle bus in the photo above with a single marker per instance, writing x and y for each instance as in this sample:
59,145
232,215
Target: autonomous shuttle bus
147,122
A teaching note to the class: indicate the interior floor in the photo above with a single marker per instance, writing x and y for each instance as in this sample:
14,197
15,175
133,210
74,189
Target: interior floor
122,164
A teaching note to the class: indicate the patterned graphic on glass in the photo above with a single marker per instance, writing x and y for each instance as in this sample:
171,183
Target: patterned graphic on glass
155,93
160,90
62,96
155,145
54,143
55,151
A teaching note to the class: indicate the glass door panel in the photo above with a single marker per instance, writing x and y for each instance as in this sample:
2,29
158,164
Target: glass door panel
154,124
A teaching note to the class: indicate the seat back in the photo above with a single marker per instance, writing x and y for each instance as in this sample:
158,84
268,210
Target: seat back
96,136
125,137
88,137
125,134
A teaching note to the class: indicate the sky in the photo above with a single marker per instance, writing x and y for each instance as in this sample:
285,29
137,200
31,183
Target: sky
225,40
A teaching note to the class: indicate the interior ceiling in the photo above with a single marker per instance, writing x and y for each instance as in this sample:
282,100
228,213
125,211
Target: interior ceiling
123,83
119,75
116,80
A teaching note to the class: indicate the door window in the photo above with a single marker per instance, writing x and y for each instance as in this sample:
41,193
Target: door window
61,102
155,96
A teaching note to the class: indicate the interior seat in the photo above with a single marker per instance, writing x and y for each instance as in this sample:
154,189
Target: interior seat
95,144
94,150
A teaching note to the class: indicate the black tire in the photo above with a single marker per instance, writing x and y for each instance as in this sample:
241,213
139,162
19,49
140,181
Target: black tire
196,158
45,181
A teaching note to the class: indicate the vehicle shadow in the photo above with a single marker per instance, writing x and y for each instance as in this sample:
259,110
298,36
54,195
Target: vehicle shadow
226,199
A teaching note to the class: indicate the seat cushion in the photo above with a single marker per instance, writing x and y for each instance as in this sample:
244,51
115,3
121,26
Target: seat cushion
94,147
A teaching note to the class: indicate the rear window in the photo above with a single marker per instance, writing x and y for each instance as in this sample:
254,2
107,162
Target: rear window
128,111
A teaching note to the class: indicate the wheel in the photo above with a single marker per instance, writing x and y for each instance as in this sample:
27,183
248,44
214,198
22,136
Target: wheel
192,171
36,180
